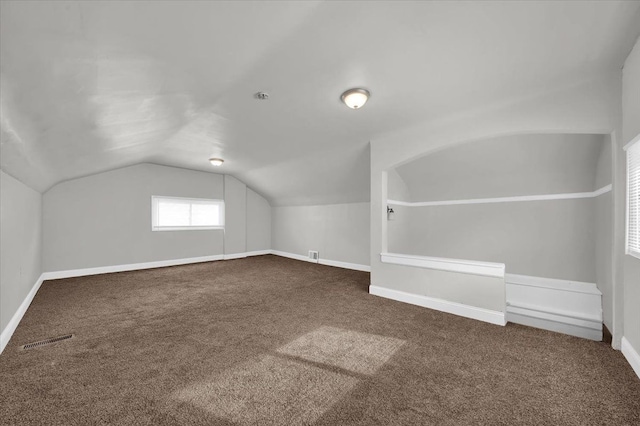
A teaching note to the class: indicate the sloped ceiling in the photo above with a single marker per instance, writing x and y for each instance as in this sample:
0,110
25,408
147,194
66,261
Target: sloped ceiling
92,86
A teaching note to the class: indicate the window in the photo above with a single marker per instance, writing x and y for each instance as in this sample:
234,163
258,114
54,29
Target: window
174,214
633,197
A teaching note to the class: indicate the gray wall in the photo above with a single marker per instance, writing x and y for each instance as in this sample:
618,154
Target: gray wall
105,219
338,231
258,222
235,204
552,239
505,166
631,128
603,206
398,189
20,244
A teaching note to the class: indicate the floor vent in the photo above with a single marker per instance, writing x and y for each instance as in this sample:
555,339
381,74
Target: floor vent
46,342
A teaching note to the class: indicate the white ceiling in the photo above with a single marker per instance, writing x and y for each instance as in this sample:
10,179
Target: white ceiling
92,86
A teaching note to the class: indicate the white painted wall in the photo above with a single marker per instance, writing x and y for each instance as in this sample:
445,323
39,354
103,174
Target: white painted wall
340,232
587,107
20,244
631,128
235,203
105,219
258,222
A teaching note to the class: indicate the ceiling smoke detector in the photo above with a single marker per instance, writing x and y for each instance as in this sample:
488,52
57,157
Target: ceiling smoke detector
355,98
261,96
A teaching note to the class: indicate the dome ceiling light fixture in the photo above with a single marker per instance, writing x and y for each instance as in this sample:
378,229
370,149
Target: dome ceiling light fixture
355,98
216,161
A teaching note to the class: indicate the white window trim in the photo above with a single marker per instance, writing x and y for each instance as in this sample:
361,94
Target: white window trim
628,251
154,213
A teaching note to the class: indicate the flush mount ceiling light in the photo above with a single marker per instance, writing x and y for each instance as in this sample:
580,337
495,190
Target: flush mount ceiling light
355,98
216,161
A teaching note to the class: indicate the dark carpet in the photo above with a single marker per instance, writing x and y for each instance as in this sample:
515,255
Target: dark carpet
273,341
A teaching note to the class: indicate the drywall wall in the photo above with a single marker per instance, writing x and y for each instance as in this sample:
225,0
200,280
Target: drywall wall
591,107
258,222
235,204
505,166
20,244
397,187
340,232
603,227
105,219
551,239
631,128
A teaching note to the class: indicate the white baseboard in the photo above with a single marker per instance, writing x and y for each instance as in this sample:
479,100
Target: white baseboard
474,267
570,325
128,267
563,306
631,355
245,254
293,256
17,317
327,262
481,314
234,256
345,265
258,253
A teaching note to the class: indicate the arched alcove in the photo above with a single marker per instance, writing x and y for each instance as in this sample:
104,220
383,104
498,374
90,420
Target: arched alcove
540,204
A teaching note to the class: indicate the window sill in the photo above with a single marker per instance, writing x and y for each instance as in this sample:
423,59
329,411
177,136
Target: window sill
186,228
633,254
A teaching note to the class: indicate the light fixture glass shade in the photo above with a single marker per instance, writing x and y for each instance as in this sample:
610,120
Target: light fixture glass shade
216,161
355,98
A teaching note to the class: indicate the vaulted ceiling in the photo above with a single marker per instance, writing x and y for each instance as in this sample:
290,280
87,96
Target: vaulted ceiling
92,86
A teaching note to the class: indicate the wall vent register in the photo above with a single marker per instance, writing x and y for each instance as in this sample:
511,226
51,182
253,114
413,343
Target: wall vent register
175,214
633,197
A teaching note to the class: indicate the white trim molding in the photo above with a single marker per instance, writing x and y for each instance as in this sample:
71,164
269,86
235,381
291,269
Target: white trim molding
632,355
294,256
8,331
546,197
55,275
561,322
326,262
474,267
467,311
232,256
564,306
175,262
553,283
345,265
